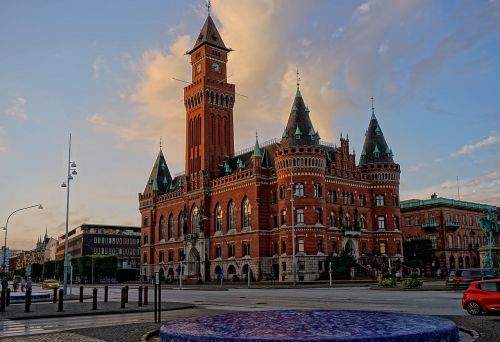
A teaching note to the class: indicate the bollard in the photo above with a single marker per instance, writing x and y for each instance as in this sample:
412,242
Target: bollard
7,297
81,294
27,302
159,301
61,301
94,299
156,303
106,294
2,301
123,298
54,296
145,302
126,294
139,299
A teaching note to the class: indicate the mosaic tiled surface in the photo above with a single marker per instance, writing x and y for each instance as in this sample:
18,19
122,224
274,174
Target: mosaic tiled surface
293,325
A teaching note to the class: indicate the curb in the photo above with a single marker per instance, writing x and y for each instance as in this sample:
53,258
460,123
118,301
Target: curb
97,312
147,336
474,334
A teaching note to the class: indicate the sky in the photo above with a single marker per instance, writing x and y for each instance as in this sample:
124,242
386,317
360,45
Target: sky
104,71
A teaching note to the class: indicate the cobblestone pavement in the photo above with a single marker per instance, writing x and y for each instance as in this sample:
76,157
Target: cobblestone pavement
60,337
488,327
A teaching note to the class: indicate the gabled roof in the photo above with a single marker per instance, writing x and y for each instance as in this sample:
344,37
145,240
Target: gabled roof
375,148
160,178
299,124
209,35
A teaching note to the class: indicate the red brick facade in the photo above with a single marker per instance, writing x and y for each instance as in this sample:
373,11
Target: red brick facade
233,211
453,227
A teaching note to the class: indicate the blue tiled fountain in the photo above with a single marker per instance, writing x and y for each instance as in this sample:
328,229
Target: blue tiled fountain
319,325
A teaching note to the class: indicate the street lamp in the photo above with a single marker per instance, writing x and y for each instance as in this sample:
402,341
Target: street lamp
71,172
5,228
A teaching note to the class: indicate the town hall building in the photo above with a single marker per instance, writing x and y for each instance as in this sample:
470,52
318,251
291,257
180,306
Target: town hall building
294,198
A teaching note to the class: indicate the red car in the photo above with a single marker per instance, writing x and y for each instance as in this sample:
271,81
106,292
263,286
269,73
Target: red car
482,296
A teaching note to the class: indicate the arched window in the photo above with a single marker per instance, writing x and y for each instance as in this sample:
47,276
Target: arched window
231,216
161,232
171,226
282,192
332,219
317,190
362,222
247,213
218,218
195,220
180,225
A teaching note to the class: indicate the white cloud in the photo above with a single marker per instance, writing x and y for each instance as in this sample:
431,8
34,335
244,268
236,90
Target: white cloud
97,67
3,146
382,50
482,189
468,149
364,7
17,108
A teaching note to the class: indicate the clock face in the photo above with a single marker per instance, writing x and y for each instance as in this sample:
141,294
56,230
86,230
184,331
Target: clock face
198,67
216,67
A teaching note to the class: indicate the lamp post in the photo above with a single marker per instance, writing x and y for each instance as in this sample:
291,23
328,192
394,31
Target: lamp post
71,172
6,226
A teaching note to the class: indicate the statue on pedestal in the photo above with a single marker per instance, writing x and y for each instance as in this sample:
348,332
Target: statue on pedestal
491,228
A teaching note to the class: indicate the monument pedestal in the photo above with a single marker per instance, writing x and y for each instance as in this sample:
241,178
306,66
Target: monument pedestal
495,255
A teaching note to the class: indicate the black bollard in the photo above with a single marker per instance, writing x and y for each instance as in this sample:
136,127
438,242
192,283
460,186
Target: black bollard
81,294
139,299
126,294
156,303
94,299
7,297
60,304
54,296
123,298
145,302
27,302
159,301
106,294
2,301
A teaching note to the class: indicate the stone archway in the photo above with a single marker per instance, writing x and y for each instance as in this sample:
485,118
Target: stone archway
351,246
193,261
244,273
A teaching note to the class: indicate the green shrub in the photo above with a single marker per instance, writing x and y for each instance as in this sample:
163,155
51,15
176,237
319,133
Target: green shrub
388,282
413,281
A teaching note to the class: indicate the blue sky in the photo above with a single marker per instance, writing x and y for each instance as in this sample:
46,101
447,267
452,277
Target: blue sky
103,71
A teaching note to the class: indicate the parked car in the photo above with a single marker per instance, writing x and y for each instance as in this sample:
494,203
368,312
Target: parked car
50,284
465,276
482,296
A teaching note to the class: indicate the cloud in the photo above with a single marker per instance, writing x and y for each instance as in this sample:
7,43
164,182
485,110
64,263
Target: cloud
17,109
468,149
97,67
3,146
483,189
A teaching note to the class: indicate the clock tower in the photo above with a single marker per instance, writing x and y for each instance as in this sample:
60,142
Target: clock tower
209,102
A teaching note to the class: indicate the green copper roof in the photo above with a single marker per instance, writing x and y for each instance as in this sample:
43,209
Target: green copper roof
294,108
311,132
307,109
414,203
317,135
373,117
297,131
155,185
285,134
377,130
376,150
298,94
256,150
240,164
363,153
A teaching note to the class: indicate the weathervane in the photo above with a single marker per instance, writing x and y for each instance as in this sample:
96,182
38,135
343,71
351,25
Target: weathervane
298,78
373,109
209,5
160,143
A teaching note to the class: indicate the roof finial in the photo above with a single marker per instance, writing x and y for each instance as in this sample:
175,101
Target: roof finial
373,109
209,6
160,143
298,78
256,135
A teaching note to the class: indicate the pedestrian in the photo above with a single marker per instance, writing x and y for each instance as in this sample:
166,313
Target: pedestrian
398,276
5,284
23,284
15,285
28,284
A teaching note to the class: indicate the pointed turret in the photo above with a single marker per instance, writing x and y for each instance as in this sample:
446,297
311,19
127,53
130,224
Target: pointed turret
46,237
375,148
299,130
209,35
160,178
256,150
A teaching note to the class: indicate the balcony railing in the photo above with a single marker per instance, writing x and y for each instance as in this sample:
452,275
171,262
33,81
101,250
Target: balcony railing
430,225
452,225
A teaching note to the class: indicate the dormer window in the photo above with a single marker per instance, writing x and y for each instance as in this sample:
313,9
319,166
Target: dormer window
298,133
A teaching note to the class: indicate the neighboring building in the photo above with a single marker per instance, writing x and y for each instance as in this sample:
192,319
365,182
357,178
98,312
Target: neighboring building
50,249
452,226
100,239
8,255
230,211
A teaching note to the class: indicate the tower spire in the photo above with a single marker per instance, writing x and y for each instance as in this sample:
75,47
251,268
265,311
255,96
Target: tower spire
298,79
373,108
160,143
209,6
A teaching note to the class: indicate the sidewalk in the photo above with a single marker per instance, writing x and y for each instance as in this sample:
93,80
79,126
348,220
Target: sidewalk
47,310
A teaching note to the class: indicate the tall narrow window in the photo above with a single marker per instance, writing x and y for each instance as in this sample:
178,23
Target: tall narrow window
247,213
171,226
231,216
300,215
301,246
381,222
380,200
195,220
299,190
283,217
318,215
282,192
317,190
180,225
161,233
218,218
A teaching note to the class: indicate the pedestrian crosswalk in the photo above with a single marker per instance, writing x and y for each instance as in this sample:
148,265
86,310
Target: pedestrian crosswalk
9,328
